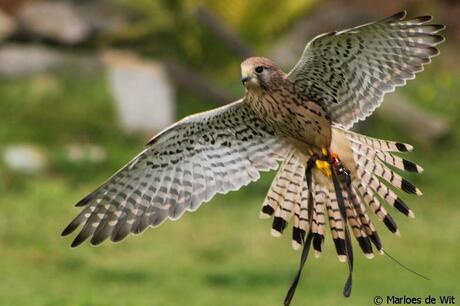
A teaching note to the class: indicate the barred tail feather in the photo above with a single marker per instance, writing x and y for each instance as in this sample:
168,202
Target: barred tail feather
284,194
377,144
277,189
373,158
356,226
318,220
367,195
387,158
384,192
368,226
373,166
298,234
304,222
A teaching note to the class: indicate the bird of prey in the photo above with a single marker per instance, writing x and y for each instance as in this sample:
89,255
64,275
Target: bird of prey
300,120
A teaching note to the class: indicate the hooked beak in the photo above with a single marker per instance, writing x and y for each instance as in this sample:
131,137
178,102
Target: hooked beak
245,79
248,77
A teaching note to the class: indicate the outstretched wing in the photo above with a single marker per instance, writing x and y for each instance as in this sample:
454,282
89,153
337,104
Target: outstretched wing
182,167
349,72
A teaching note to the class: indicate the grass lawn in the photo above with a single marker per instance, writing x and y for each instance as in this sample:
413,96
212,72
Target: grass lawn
220,255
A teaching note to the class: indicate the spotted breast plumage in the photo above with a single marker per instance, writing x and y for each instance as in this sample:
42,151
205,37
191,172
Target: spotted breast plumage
340,79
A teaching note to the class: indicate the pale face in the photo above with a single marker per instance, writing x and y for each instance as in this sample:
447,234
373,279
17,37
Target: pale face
252,75
258,73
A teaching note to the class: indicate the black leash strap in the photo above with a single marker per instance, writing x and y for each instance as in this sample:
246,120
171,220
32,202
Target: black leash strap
348,247
307,242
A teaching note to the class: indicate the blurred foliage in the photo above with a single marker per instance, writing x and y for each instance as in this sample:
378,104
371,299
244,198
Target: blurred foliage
55,110
258,21
170,28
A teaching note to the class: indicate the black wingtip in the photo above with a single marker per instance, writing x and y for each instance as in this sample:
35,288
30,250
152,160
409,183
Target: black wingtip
317,241
79,240
410,166
408,187
432,29
279,224
76,243
439,27
398,16
401,206
433,51
151,142
119,236
96,240
298,235
395,17
340,246
68,230
423,19
83,201
437,39
365,245
267,209
402,147
376,240
390,223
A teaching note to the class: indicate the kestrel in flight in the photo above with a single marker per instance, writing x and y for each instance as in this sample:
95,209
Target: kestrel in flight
341,78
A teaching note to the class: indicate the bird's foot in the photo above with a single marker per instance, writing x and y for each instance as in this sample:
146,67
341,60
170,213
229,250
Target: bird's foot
324,162
327,160
340,169
324,166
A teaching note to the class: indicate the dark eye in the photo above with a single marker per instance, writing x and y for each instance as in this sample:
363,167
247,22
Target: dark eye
259,69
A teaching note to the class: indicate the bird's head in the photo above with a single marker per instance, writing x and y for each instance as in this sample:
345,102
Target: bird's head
259,73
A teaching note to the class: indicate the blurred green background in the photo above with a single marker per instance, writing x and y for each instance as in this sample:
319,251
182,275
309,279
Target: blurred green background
222,254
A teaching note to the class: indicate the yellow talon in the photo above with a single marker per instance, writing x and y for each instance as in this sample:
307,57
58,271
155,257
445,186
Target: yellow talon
324,167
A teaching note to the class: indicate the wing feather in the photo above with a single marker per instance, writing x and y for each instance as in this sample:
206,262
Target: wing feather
182,167
349,72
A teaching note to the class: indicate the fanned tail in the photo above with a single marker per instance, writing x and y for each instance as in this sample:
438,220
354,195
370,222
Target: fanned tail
373,167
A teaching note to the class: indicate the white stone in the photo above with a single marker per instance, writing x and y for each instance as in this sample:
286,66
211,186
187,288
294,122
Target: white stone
86,152
143,92
24,158
21,60
59,21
